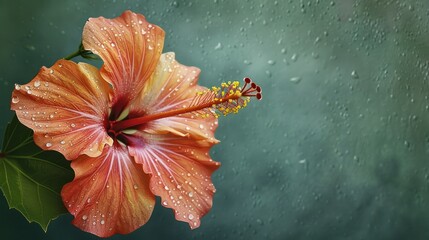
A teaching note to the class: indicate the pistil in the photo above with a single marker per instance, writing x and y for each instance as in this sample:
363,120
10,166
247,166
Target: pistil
229,98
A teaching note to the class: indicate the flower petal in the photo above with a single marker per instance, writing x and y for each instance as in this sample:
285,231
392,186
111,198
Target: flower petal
180,172
66,106
173,86
109,194
130,48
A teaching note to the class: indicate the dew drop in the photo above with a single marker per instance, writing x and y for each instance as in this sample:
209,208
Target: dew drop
17,86
84,217
354,74
294,57
15,99
112,44
191,194
188,128
295,80
48,144
218,46
190,216
63,142
72,125
37,83
201,126
51,71
102,222
164,203
135,187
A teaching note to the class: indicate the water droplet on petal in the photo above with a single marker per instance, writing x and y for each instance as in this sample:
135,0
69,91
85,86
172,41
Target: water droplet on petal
201,126
63,142
17,86
190,216
72,125
15,99
191,194
37,83
48,144
84,217
102,222
135,186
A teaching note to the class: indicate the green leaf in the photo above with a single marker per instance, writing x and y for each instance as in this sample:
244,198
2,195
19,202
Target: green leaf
30,178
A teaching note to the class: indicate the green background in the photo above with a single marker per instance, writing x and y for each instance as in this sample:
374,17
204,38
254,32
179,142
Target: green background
337,149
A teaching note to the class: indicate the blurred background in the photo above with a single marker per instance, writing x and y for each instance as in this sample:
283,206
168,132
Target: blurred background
337,149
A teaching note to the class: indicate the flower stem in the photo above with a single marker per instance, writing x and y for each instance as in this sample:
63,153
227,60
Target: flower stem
83,53
73,55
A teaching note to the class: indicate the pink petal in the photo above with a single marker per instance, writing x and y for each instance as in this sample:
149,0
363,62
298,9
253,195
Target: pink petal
180,172
130,48
109,194
66,106
173,86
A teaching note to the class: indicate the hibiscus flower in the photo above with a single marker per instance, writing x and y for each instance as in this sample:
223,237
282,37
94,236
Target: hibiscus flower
137,128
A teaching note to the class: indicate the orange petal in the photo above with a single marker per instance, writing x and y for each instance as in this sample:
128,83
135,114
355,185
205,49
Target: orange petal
130,48
109,194
66,106
173,86
180,172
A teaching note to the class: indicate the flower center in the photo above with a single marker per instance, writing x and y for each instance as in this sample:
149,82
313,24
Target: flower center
229,98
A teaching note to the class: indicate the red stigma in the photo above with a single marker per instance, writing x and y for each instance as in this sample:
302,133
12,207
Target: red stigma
251,89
